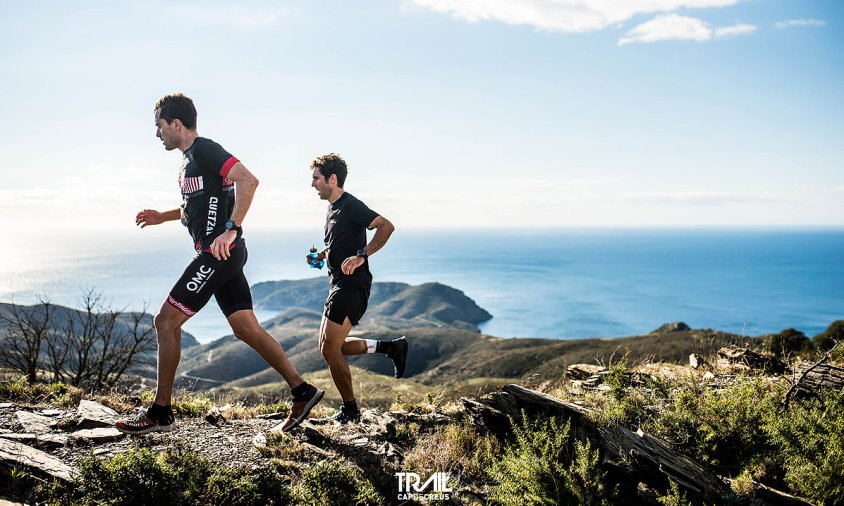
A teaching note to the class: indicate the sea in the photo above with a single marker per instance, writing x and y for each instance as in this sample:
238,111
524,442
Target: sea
556,284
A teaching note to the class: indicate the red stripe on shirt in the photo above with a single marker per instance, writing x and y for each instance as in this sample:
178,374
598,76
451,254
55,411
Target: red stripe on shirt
228,166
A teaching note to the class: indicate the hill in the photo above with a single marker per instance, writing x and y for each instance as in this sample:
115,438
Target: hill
391,305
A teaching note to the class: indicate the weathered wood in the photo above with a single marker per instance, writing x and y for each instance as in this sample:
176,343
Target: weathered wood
749,359
822,376
649,458
813,376
487,418
14,453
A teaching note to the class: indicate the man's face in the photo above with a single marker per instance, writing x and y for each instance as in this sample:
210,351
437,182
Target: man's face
322,186
167,132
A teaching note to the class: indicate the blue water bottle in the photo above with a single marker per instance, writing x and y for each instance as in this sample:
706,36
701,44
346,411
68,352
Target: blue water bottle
313,255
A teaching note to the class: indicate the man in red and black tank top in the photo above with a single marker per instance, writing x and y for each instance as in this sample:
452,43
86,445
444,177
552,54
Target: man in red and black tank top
217,191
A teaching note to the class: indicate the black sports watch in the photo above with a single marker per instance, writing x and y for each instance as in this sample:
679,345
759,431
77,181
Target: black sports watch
362,253
230,225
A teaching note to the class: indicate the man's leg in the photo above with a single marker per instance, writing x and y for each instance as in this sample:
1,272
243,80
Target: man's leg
246,328
331,341
168,329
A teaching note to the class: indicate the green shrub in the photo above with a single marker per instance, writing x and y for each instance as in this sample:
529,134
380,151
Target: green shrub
22,390
810,443
674,497
455,448
192,405
722,428
141,477
540,467
335,482
788,341
826,339
228,487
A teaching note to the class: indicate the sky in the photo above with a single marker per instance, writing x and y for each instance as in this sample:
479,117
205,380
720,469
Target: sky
449,113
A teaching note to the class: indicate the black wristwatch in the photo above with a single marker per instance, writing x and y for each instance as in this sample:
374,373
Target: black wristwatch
362,253
230,225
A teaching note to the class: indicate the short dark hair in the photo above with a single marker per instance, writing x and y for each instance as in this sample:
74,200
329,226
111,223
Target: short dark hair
331,164
177,106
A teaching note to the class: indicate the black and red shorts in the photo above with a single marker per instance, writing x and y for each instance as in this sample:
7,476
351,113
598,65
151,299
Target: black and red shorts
346,302
206,276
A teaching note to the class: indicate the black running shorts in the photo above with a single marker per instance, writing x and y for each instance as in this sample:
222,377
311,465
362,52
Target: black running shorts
206,276
346,302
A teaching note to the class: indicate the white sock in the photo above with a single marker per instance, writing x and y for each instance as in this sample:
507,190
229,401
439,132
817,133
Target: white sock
370,345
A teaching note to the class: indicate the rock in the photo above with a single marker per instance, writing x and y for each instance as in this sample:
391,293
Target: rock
33,423
708,376
25,456
20,437
259,440
694,361
7,405
52,440
671,327
51,412
99,435
215,417
584,371
93,414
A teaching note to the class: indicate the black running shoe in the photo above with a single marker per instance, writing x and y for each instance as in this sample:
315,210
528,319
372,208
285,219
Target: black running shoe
143,423
399,355
343,417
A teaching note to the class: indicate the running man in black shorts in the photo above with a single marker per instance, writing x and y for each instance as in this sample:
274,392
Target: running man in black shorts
347,255
217,191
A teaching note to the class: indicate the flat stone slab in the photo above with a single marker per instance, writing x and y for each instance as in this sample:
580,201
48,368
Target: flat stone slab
93,414
20,437
7,405
98,435
33,423
51,412
22,455
52,440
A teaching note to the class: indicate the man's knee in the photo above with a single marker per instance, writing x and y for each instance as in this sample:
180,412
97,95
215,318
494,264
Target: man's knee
167,322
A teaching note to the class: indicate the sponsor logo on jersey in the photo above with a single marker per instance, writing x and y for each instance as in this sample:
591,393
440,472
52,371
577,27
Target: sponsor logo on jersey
200,278
212,215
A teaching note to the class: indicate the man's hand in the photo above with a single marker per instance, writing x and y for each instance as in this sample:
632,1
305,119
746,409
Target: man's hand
351,263
220,246
149,217
319,257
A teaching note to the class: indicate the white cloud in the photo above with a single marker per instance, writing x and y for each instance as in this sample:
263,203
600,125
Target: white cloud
729,31
669,27
676,27
571,16
800,22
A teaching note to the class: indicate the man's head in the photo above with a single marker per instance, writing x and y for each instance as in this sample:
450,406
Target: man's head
329,174
175,117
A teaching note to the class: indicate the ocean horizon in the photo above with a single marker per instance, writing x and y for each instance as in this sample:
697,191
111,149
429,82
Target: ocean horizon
557,284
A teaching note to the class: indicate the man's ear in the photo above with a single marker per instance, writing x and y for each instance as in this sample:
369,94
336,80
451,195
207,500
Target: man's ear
332,179
176,123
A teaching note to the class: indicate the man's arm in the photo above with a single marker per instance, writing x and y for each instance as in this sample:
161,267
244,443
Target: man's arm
153,217
383,230
244,190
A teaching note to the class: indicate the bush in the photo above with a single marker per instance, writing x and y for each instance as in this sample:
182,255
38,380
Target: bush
228,487
453,448
810,444
335,482
540,467
721,428
826,339
788,341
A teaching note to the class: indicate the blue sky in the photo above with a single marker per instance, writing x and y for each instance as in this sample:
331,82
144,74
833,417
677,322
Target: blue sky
450,113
